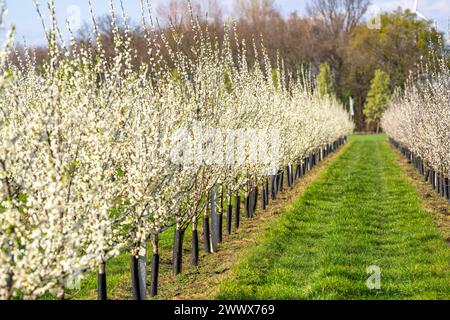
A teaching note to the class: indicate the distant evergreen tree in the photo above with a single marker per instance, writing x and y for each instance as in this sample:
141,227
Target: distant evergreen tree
377,98
325,83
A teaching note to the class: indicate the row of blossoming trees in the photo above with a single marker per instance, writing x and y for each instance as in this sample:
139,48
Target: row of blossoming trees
98,156
418,122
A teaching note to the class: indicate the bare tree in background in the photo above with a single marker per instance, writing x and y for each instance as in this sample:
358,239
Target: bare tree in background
333,23
177,12
254,11
214,10
338,15
174,12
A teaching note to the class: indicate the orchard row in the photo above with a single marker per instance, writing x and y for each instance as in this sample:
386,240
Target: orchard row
94,159
418,122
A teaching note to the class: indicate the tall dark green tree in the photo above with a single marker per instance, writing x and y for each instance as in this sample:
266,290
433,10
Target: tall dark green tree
377,99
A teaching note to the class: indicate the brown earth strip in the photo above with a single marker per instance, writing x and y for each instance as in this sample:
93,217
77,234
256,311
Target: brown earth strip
433,203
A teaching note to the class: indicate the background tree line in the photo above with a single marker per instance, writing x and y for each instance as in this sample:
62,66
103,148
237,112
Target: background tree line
332,32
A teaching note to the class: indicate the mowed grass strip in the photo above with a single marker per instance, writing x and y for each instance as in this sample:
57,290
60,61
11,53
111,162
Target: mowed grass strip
361,212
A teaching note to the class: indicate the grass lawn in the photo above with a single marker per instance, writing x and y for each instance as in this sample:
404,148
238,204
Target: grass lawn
362,211
196,282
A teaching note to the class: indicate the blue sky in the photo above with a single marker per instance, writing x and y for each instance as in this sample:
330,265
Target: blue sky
22,12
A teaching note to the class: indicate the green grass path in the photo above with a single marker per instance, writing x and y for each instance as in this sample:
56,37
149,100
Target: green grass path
361,212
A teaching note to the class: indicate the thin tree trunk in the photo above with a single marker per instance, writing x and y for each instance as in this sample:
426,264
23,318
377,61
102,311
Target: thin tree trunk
229,212
101,281
155,266
214,222
139,273
288,176
237,211
195,255
273,186
247,204
178,250
255,200
220,217
263,197
206,234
